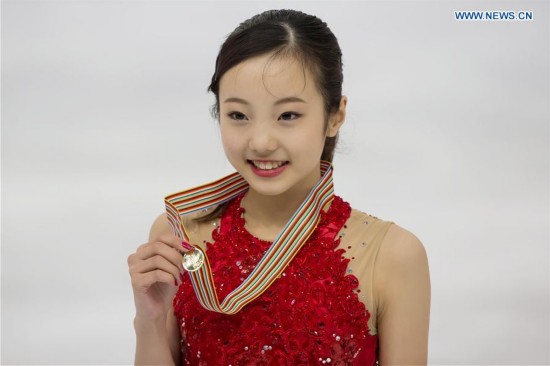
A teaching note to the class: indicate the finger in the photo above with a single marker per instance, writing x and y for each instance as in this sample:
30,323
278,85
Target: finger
132,258
146,280
160,248
142,246
156,263
171,240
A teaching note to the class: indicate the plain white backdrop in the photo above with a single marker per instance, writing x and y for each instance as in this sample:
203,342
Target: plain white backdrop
105,111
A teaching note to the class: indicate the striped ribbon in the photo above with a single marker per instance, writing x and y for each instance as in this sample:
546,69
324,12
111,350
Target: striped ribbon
294,235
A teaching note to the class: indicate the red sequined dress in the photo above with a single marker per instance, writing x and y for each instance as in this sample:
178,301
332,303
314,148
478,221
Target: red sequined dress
311,315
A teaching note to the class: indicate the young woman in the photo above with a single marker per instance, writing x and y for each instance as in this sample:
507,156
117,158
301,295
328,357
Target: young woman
303,278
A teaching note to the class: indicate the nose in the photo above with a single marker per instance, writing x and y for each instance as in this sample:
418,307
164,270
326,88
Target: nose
262,140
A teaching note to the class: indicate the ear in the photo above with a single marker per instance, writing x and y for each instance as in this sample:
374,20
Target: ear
336,120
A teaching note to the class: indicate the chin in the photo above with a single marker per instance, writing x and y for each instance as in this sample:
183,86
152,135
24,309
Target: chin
267,188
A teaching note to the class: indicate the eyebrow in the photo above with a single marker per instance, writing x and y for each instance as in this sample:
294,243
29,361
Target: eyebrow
280,101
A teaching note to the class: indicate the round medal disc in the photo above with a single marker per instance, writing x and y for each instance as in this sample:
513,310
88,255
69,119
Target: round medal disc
193,260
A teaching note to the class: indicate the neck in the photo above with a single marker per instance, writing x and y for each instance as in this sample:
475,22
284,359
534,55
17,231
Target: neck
266,216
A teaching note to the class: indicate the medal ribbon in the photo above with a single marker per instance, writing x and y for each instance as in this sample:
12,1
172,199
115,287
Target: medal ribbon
289,242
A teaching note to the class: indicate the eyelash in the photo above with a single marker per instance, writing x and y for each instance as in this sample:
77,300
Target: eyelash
296,115
233,115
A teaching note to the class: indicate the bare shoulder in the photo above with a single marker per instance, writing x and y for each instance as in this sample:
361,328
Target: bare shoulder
160,227
402,282
402,264
401,250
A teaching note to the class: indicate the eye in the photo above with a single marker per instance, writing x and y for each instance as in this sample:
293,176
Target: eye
237,116
288,116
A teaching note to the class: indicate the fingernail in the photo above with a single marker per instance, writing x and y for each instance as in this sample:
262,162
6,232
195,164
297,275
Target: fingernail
186,245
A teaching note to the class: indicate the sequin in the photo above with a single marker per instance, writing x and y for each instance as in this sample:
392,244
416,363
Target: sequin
300,320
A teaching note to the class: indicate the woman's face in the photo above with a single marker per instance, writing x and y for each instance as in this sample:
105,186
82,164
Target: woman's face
273,124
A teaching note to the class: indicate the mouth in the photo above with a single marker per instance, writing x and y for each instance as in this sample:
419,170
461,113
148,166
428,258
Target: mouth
267,168
267,164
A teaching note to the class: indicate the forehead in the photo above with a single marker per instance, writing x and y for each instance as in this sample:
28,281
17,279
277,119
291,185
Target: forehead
267,76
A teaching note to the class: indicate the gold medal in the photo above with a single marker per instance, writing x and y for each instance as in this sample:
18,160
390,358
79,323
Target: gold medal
193,260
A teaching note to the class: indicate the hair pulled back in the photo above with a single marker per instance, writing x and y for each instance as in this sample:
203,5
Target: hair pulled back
287,33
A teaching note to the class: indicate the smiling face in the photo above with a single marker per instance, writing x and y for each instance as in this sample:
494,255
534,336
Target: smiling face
273,124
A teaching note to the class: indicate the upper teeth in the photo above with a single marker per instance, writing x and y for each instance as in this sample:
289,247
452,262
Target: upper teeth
267,165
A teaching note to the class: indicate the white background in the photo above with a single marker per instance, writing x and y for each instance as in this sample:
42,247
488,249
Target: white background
105,111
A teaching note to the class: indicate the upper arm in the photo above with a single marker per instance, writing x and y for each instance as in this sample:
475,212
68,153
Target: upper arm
402,282
160,227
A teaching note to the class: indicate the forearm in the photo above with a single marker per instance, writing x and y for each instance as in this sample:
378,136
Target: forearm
152,343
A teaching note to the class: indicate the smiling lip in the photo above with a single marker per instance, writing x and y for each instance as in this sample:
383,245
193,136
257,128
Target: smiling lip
267,173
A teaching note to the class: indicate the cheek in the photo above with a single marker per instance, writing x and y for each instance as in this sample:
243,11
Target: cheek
230,141
310,138
306,147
